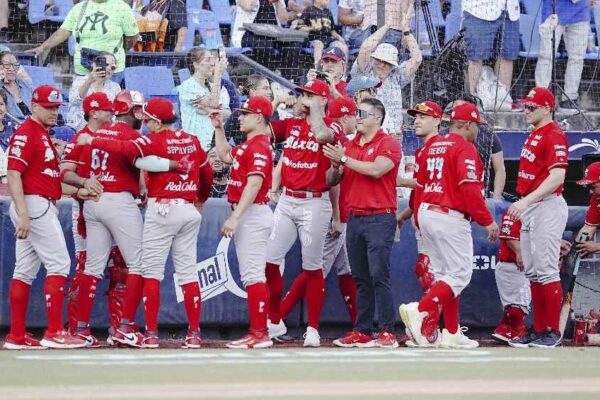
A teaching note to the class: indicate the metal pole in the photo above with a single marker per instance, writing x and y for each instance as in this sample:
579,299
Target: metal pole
380,13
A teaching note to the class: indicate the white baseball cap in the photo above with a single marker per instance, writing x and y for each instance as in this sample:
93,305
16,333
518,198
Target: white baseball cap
387,53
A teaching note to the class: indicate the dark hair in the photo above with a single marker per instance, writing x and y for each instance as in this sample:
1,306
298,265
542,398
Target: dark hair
252,82
194,55
104,54
169,121
86,117
376,104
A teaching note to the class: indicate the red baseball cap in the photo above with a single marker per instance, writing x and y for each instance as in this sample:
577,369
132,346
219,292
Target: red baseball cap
258,105
97,101
539,96
466,112
47,96
592,174
315,87
159,109
340,107
427,107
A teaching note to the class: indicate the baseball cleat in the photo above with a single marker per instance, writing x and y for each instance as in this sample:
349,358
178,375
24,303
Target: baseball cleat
523,341
62,340
192,340
386,340
355,339
311,338
252,340
547,340
276,330
427,345
90,340
127,336
150,341
413,321
27,342
503,333
458,340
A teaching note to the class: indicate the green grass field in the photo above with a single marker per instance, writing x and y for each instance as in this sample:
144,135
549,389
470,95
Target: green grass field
296,373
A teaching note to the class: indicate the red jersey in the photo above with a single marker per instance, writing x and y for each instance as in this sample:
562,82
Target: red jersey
593,214
420,167
373,193
544,149
304,164
169,144
343,202
342,88
510,230
449,163
32,153
116,172
254,157
73,154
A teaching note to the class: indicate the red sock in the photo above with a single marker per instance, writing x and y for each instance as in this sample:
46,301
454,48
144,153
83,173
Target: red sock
553,296
439,294
451,314
85,297
54,291
193,304
315,296
133,295
258,299
294,295
538,304
151,302
348,290
275,284
19,300
516,316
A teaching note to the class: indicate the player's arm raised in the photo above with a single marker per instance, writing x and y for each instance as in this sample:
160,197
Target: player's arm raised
223,148
323,133
249,193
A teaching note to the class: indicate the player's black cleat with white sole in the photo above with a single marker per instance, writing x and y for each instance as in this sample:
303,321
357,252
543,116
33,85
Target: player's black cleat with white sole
548,339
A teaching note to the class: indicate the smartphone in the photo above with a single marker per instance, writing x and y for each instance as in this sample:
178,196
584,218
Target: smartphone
101,63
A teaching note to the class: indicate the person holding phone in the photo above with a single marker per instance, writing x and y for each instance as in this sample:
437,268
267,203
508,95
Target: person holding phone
98,80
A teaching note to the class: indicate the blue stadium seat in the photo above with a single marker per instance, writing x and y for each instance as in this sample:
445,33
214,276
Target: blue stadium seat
40,75
222,10
205,23
151,81
530,36
453,23
456,7
35,12
532,7
184,74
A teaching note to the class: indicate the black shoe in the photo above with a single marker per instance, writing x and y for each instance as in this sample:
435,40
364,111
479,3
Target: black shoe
570,105
524,341
547,340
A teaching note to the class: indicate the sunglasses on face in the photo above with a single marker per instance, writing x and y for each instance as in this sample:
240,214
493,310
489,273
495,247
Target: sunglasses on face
530,108
362,114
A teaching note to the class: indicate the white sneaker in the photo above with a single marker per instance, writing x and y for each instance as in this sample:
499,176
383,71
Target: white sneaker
457,340
427,344
276,330
312,338
413,320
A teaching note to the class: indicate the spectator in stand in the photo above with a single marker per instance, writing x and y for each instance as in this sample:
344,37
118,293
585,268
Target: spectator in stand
7,128
298,6
394,17
219,186
489,148
172,31
318,22
571,23
351,14
202,93
4,21
483,21
18,91
270,12
255,85
98,25
333,65
98,80
363,87
381,62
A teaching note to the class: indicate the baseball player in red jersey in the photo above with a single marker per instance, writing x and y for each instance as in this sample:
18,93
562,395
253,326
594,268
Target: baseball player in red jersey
427,116
172,222
34,185
513,286
304,208
591,179
343,113
451,195
251,221
543,213
369,165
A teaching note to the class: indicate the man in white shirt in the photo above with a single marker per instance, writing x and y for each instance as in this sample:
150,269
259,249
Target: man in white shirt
483,21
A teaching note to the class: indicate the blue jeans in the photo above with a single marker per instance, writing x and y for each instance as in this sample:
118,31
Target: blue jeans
369,243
